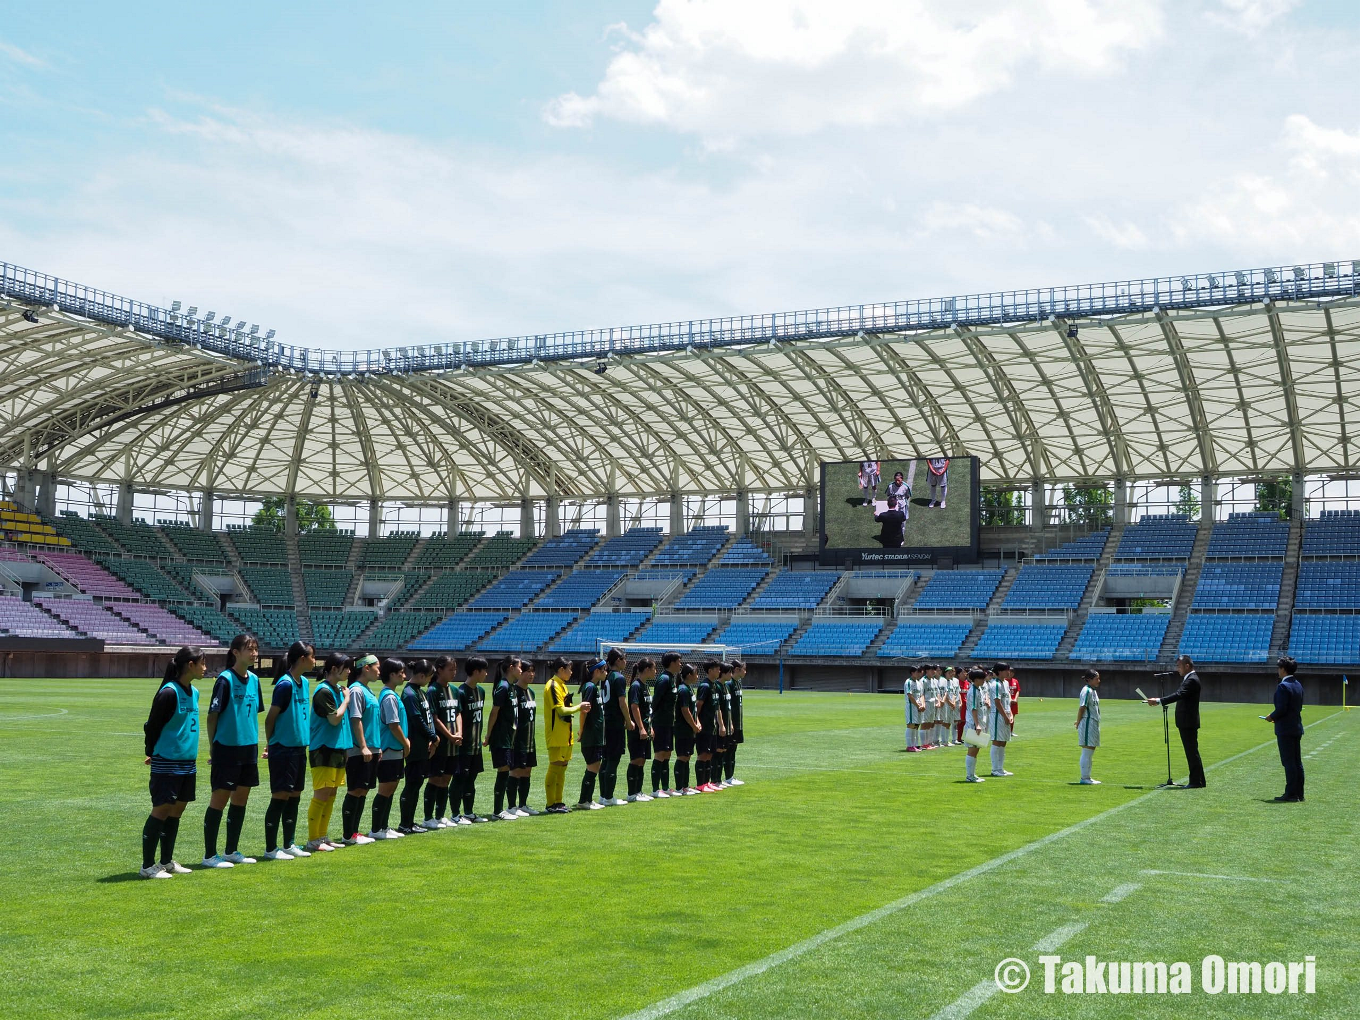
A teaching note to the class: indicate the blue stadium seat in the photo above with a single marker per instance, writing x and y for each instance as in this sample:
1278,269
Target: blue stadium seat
757,637
527,632
1248,536
1323,638
831,636
1328,584
1158,537
680,632
959,589
1088,547
515,590
682,574
1238,586
596,627
580,589
916,640
628,549
457,632
745,553
721,588
1121,637
1039,586
1004,640
1229,637
695,548
1334,533
797,589
564,551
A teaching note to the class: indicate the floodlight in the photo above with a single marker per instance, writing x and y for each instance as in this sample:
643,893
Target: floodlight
174,306
29,316
254,328
209,317
601,367
1071,331
193,311
269,335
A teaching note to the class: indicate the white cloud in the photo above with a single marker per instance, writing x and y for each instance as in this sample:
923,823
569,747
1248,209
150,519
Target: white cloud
1125,234
769,67
20,56
1251,16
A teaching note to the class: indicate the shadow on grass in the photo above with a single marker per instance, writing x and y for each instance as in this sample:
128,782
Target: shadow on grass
126,876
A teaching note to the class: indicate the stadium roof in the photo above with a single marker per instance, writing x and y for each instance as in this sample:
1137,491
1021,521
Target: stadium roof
1231,374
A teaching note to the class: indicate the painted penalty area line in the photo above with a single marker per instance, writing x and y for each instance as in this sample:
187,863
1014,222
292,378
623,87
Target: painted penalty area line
712,986
970,1000
1200,874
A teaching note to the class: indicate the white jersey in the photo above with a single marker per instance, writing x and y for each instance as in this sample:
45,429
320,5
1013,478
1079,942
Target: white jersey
978,705
953,695
915,691
1088,733
901,490
1000,696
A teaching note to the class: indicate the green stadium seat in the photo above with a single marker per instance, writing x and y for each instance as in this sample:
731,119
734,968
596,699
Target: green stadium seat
324,548
146,578
270,585
451,590
503,550
273,628
195,544
334,630
397,630
327,588
259,545
391,551
438,553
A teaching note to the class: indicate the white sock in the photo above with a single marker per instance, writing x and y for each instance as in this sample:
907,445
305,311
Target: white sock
911,737
970,765
1001,757
1087,754
996,763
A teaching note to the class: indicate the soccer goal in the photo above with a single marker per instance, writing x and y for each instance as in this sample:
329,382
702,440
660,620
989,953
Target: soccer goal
634,649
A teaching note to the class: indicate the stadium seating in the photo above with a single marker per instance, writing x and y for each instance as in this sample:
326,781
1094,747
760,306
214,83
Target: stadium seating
1248,536
326,548
1330,584
682,574
95,621
183,575
396,630
22,619
273,628
258,545
451,590
797,589
168,628
913,639
271,586
18,525
593,628
830,636
138,538
147,578
336,630
1317,638
208,620
1238,586
564,551
527,632
1005,640
1227,637
745,553
455,633
327,589
628,549
755,637
959,589
89,577
82,534
679,631
392,550
441,552
515,590
1043,586
695,548
721,588
580,589
1334,533
1158,537
503,549
1088,547
1121,637
194,544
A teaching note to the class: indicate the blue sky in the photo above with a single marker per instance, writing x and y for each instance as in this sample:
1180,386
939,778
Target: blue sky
355,179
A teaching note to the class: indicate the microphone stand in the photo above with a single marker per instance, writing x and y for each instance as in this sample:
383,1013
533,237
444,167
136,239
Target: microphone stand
1166,734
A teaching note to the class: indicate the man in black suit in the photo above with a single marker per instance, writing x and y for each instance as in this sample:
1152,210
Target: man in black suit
894,523
1186,700
1288,720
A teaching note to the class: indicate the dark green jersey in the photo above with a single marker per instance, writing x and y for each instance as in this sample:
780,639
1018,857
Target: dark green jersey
470,700
734,697
684,699
503,730
707,701
723,697
663,702
615,687
444,707
640,694
592,728
526,711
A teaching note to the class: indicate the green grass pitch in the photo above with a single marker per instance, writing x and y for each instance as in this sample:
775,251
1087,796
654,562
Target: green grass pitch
613,913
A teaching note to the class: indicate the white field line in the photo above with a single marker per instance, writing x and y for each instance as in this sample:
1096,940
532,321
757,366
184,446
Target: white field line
1198,874
970,1000
1120,892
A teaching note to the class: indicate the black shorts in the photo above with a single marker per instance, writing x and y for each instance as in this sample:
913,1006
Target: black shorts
234,766
524,759
168,789
441,765
391,771
501,757
287,769
360,774
684,741
417,769
664,739
735,737
638,747
719,744
468,765
614,744
592,754
326,758
704,743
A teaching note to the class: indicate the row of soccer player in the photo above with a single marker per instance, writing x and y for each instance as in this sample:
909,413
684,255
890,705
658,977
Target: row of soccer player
431,730
936,702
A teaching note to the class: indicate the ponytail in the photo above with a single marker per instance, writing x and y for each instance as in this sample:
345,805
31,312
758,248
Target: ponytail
295,653
186,655
641,666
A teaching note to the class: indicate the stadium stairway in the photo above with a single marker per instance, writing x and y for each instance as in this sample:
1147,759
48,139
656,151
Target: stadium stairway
765,583
974,636
889,625
1180,612
1088,598
1284,609
304,612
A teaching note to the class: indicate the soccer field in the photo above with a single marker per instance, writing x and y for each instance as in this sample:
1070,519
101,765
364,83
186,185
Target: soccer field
847,879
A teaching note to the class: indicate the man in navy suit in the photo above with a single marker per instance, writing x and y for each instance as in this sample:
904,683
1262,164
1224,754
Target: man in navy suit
1288,720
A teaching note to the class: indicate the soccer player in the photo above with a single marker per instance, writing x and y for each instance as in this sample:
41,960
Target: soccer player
329,741
524,754
900,489
557,733
233,750
1013,687
953,707
287,731
500,733
937,477
1088,724
930,719
735,734
687,730
723,699
361,760
444,712
592,732
869,477
618,724
172,752
999,691
394,740
424,741
914,692
975,718
640,736
663,724
709,706
467,737
964,684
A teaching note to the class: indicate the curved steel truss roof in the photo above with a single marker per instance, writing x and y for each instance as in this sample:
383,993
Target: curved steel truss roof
1225,374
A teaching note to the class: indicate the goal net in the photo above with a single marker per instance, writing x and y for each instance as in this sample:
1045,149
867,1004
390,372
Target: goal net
636,649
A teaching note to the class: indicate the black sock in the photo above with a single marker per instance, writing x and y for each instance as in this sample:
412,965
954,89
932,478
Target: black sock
441,801
701,772
382,811
410,796
523,791
290,813
634,780
499,799
151,837
456,794
656,776
666,774
272,816
431,798
587,787
212,820
730,761
469,794
169,833
351,811
236,819
681,774
605,783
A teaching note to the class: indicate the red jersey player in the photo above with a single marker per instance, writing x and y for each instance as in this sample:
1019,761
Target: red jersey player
1014,685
